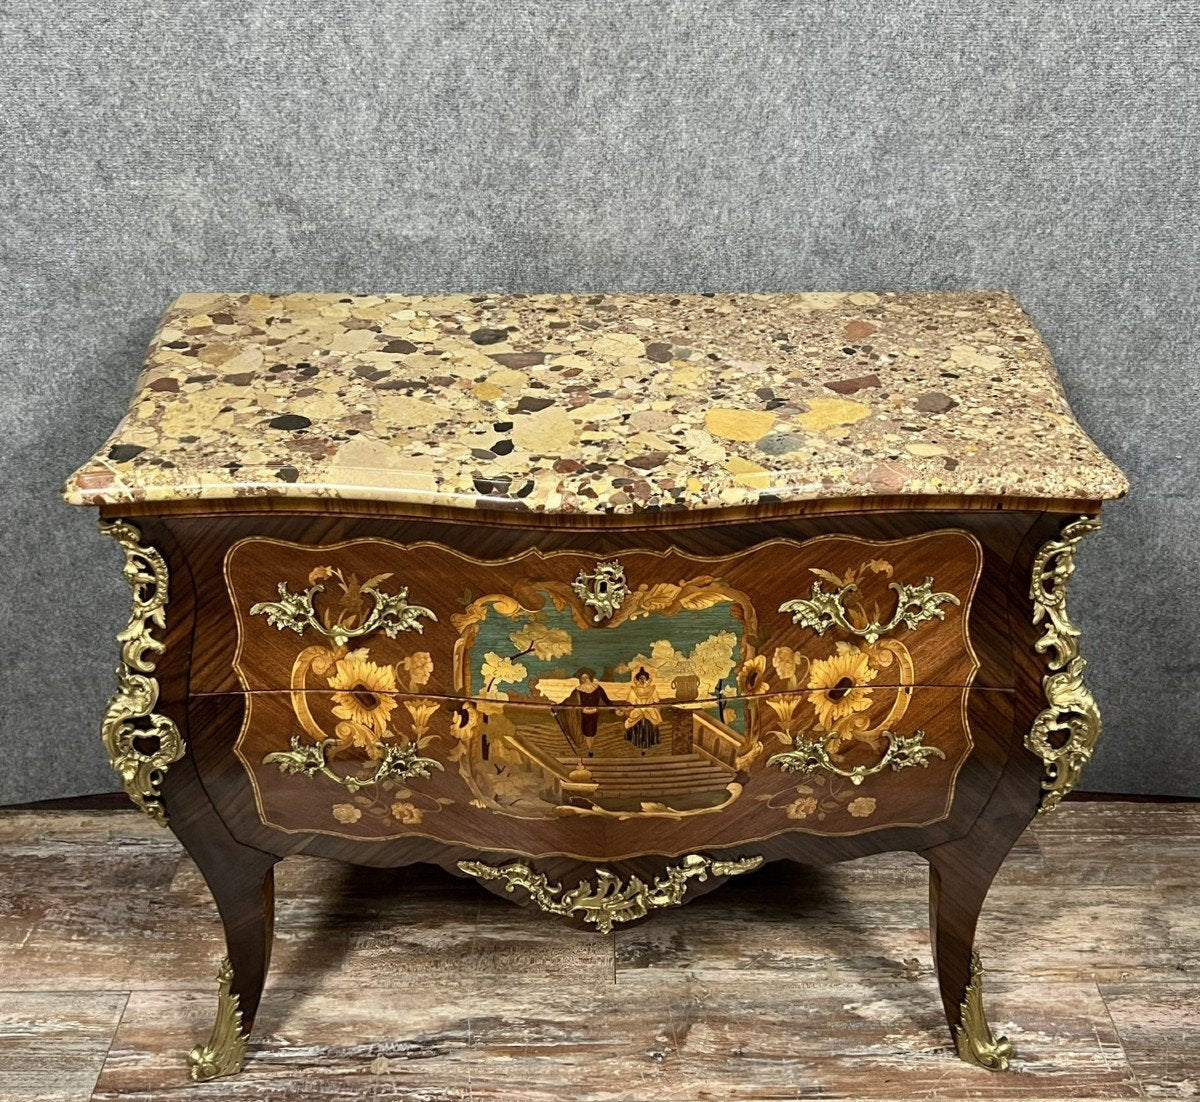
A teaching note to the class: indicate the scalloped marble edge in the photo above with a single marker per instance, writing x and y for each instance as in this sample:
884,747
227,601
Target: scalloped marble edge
709,463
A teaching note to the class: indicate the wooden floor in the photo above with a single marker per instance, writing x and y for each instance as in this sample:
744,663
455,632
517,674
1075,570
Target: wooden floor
791,983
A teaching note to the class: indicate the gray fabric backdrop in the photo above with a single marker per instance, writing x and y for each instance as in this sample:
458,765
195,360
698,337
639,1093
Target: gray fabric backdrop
1047,148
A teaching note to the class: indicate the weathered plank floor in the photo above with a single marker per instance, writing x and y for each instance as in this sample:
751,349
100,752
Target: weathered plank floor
790,984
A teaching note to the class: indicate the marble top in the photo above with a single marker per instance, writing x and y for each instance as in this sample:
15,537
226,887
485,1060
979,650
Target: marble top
596,403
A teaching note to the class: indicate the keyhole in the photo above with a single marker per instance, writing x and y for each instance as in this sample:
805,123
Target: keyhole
146,745
841,688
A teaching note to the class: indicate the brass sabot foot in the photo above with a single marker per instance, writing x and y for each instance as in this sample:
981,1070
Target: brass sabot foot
225,1052
973,1036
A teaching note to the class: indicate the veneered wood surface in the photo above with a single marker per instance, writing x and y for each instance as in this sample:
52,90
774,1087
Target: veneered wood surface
205,543
996,789
460,804
194,545
679,598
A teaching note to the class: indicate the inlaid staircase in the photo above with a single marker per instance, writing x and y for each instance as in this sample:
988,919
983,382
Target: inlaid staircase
620,770
652,778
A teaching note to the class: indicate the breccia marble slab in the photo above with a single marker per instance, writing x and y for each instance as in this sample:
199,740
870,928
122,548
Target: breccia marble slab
597,403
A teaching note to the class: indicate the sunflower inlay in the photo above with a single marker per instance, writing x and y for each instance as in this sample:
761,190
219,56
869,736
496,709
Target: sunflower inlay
356,735
839,685
843,736
365,691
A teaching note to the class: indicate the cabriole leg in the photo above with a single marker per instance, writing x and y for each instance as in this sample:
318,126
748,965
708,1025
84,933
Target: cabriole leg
243,885
959,878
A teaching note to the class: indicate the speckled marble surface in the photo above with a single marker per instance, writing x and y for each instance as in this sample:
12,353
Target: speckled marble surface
597,403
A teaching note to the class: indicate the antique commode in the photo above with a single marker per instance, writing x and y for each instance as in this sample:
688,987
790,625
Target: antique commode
597,599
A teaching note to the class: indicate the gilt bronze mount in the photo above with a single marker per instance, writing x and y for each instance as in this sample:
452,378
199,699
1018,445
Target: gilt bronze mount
1065,733
141,743
609,901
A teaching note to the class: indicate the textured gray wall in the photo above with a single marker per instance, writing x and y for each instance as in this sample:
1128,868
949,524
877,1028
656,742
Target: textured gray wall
1047,148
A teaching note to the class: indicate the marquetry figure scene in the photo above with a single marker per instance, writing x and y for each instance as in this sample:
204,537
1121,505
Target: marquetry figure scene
578,691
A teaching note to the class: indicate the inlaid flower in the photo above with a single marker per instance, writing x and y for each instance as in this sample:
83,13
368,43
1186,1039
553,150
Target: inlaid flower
752,677
465,721
861,807
784,661
421,711
802,808
363,691
406,812
419,668
784,708
838,685
498,670
346,813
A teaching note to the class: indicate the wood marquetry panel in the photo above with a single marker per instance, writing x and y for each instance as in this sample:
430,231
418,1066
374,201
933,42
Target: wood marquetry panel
563,628
607,782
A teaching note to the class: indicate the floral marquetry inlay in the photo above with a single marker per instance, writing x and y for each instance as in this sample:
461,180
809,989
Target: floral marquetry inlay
695,693
374,712
600,599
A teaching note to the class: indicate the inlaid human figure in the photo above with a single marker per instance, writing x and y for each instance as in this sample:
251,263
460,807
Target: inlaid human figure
643,720
579,715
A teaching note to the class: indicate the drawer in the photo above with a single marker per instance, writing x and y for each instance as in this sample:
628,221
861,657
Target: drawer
564,628
605,782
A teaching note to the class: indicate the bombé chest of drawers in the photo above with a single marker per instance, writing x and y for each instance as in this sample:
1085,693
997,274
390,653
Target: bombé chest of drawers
599,600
